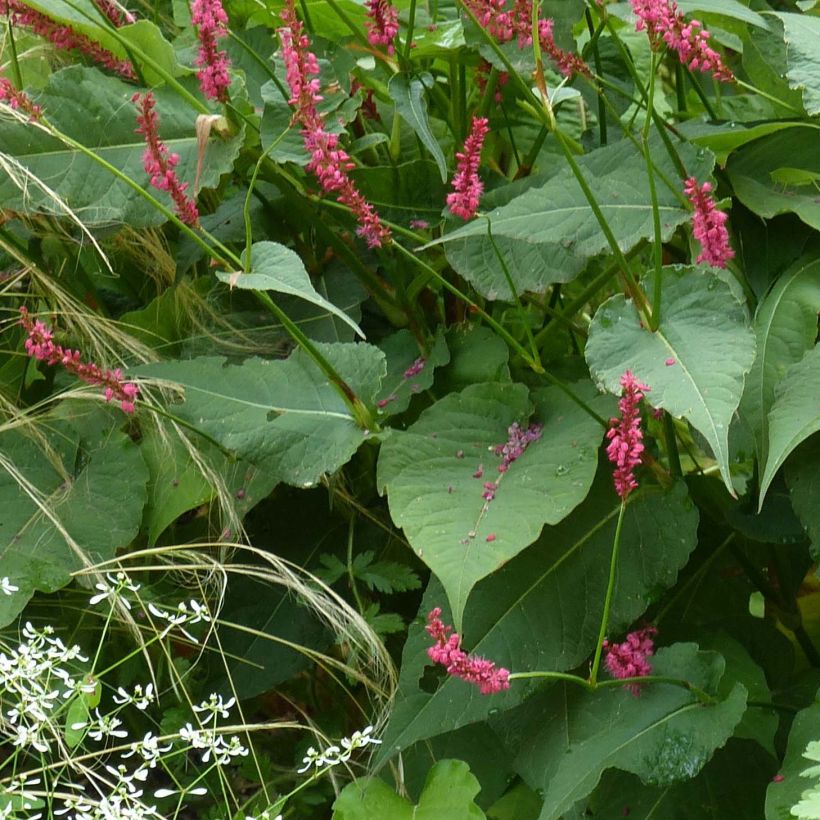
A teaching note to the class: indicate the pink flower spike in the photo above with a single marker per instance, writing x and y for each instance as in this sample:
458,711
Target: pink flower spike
383,23
630,659
211,22
467,187
158,163
40,345
665,24
18,100
708,225
447,652
626,437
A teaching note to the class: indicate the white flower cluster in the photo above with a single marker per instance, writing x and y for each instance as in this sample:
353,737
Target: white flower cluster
334,755
114,589
33,680
181,616
213,744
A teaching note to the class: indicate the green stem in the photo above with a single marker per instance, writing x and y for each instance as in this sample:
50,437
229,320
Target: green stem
350,572
411,24
357,33
680,87
596,57
768,96
508,276
657,249
701,94
610,589
15,65
671,445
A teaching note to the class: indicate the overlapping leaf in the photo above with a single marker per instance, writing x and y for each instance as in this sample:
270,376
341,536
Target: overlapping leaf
694,363
543,609
435,473
549,233
283,413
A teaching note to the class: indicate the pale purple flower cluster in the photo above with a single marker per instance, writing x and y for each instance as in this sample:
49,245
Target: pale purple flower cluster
630,659
328,160
64,37
383,23
415,368
158,163
708,224
467,187
665,24
211,22
626,437
447,651
518,439
40,345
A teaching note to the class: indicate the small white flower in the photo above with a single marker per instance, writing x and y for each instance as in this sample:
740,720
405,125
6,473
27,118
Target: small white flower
141,698
215,705
148,749
117,585
104,726
333,755
6,587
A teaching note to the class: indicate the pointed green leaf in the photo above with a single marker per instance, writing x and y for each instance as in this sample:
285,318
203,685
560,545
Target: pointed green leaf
448,793
283,412
695,362
408,94
549,233
278,268
785,326
664,735
794,416
558,584
79,711
802,33
96,110
803,481
435,472
91,493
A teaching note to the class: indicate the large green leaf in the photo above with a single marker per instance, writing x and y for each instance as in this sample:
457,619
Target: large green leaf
549,233
794,416
543,609
278,268
803,481
408,95
664,735
754,173
435,472
448,793
694,363
91,491
96,111
802,33
283,413
785,792
785,326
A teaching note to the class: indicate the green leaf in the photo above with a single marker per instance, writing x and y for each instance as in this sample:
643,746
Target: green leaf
96,110
722,138
803,481
79,711
277,268
549,233
477,354
694,363
176,483
785,792
750,171
283,412
785,326
664,735
794,416
91,491
722,8
448,792
402,351
435,471
558,584
802,33
408,95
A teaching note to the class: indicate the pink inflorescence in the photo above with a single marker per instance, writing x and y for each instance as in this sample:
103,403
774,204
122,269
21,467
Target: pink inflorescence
40,345
382,24
665,24
505,23
630,659
117,16
518,439
447,651
467,187
328,160
18,100
415,368
626,437
211,23
158,163
708,224
64,37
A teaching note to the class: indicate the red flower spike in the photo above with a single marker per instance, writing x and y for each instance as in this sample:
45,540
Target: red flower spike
708,224
447,652
383,23
630,659
467,187
626,437
211,23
